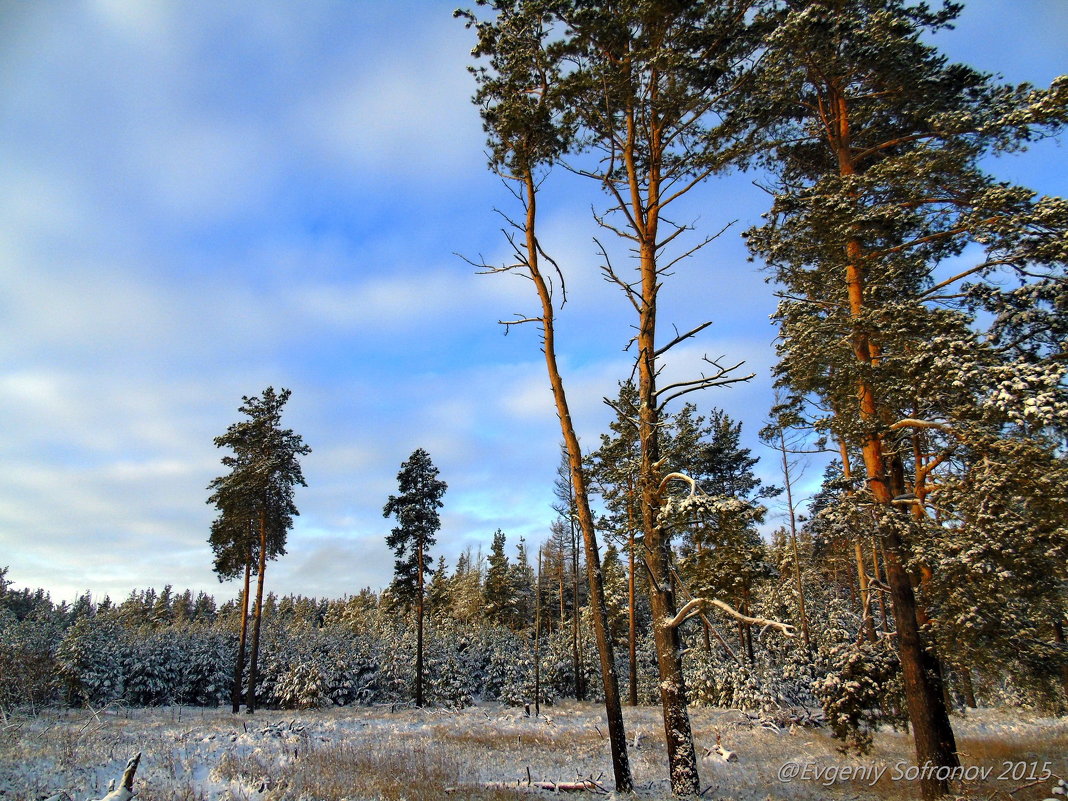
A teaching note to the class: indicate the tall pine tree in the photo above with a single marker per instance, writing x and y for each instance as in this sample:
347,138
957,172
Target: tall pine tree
876,142
416,510
255,501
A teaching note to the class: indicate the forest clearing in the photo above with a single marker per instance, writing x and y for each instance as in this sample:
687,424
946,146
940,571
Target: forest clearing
202,754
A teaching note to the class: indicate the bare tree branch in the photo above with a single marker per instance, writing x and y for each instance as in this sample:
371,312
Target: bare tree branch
681,337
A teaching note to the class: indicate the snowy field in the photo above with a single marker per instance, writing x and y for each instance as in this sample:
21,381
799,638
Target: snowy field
356,753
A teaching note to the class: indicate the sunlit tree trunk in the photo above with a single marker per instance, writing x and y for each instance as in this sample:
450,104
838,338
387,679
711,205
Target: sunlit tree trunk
613,708
932,732
253,675
419,595
239,666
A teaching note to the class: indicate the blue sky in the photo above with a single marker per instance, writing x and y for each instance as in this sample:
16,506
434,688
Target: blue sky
199,199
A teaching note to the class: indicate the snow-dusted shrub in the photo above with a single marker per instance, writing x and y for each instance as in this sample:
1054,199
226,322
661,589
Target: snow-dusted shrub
452,667
558,664
361,668
503,678
206,665
448,685
275,659
152,668
724,683
395,651
648,670
302,685
27,660
345,669
90,660
858,691
517,688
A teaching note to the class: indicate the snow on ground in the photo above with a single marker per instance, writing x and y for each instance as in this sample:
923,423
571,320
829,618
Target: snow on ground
358,753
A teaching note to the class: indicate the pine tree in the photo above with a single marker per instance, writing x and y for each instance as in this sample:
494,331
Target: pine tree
614,470
566,507
520,111
498,600
723,554
645,80
439,590
416,511
521,578
876,143
615,592
255,500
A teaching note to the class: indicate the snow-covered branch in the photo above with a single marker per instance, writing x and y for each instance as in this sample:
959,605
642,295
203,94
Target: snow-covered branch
786,629
693,608
910,422
124,792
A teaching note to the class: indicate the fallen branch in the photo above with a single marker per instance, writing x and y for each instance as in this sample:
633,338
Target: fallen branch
721,752
579,786
125,791
587,785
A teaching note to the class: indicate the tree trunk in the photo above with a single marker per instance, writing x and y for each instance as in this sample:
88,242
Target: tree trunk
537,640
239,667
632,628
419,628
967,688
868,621
875,573
932,733
613,709
749,630
253,675
576,652
682,757
793,542
560,582
1058,637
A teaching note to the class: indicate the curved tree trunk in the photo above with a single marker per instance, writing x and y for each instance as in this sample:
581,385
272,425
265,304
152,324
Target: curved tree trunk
614,711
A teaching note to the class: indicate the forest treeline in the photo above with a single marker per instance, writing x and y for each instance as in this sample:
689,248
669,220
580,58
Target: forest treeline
492,616
168,647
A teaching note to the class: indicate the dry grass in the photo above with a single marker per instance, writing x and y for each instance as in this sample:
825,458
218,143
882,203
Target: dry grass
999,768
547,737
345,771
